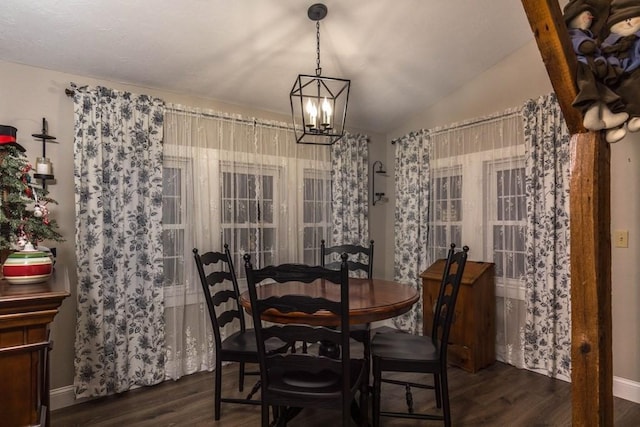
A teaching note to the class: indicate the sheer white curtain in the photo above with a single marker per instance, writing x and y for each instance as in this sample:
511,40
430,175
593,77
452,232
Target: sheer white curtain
464,184
478,199
241,181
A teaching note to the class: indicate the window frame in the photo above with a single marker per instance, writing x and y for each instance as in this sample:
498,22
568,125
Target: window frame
437,222
183,286
509,287
315,174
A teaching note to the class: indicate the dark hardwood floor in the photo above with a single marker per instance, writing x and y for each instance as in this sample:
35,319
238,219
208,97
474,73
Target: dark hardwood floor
500,395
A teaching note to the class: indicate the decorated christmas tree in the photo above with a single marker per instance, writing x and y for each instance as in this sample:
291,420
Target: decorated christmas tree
24,212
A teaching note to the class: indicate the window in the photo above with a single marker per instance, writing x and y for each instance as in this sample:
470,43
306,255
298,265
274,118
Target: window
494,224
249,224
447,214
506,223
316,213
173,222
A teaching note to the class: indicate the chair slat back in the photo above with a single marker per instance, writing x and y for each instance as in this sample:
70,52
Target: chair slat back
310,362
361,258
444,313
220,287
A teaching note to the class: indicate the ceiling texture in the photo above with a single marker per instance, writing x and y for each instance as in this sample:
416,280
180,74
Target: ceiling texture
402,56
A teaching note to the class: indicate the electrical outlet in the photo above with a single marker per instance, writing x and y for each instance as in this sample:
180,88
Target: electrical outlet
621,238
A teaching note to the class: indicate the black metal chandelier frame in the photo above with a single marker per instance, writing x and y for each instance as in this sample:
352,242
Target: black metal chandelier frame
319,104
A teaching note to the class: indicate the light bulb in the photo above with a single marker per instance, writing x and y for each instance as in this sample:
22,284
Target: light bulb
326,113
312,111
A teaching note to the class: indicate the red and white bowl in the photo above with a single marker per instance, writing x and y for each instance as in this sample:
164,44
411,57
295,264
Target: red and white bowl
27,267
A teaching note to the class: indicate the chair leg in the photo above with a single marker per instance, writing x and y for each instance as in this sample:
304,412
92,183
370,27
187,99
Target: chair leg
218,389
265,414
409,398
241,377
437,387
364,403
377,385
445,399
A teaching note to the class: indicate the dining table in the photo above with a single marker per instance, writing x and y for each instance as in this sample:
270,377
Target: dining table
370,300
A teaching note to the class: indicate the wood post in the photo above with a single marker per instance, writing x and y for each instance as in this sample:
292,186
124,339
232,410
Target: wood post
591,357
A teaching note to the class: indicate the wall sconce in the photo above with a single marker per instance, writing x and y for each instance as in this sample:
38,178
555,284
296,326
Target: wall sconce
377,196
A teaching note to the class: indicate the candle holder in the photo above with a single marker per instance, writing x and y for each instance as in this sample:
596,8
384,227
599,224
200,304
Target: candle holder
44,170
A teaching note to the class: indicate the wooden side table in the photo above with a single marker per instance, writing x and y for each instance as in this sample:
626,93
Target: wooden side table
25,314
472,339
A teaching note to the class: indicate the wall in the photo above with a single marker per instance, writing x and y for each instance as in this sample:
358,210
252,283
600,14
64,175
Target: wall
509,84
28,95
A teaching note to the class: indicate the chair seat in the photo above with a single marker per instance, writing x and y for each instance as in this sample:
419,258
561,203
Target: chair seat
360,332
242,345
404,347
324,385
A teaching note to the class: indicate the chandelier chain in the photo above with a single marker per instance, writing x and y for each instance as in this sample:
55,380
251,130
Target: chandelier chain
318,69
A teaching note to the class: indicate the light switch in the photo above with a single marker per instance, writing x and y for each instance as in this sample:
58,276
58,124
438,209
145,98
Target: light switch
621,238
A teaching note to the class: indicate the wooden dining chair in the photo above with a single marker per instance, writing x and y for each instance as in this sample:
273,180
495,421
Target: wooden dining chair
404,352
360,257
306,380
360,262
221,292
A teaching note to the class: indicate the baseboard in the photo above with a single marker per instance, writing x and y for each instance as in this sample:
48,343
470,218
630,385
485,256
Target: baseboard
64,396
622,388
626,389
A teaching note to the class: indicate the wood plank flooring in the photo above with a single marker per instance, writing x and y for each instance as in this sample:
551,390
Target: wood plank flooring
500,395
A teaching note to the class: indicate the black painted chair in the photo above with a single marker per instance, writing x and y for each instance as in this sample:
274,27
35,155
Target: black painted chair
403,352
360,261
312,379
360,257
220,287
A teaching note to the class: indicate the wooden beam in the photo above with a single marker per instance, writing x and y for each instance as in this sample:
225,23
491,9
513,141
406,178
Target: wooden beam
545,18
591,357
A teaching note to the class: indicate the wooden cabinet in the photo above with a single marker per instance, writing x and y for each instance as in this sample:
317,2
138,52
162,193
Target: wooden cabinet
25,314
472,339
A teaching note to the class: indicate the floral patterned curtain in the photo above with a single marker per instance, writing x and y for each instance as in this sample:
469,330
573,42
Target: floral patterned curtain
350,191
412,210
548,314
118,196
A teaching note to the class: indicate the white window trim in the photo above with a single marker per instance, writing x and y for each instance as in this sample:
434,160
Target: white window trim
475,231
505,287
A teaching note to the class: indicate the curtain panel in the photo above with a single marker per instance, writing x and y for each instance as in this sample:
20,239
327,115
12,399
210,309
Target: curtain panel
350,192
412,187
548,315
118,195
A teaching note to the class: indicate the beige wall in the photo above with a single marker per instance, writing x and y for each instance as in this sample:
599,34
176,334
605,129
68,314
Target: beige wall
509,84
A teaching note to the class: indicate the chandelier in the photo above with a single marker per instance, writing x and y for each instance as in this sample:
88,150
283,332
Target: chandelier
319,104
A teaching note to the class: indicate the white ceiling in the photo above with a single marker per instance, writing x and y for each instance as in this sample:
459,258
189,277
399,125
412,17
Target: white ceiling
402,56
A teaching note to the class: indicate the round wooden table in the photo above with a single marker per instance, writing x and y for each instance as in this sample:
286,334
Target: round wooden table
369,300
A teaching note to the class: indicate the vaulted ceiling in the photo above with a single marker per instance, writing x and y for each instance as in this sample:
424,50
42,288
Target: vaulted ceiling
402,56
